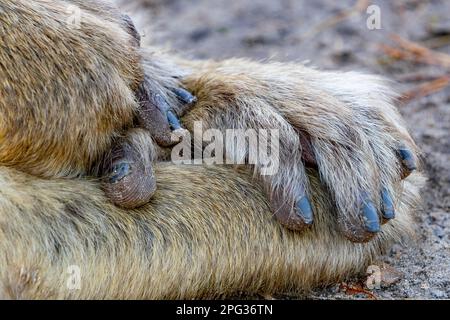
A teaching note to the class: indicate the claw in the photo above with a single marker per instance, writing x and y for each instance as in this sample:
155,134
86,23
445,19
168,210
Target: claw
388,210
161,103
164,107
119,171
407,158
304,210
184,95
173,121
370,216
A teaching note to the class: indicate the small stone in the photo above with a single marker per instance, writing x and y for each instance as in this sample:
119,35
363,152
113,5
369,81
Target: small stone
424,286
382,275
438,232
390,275
437,215
437,293
336,288
396,250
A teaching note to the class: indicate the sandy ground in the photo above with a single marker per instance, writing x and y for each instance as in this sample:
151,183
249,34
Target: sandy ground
287,30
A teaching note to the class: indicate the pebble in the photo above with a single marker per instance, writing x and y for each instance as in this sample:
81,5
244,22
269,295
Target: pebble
390,275
437,293
438,232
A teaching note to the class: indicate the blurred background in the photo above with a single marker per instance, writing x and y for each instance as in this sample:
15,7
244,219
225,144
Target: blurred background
404,40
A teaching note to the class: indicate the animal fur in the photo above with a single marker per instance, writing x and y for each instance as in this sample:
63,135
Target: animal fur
211,226
350,119
208,232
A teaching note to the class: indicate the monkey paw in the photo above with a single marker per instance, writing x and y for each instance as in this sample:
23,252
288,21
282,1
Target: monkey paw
154,113
157,116
357,142
128,176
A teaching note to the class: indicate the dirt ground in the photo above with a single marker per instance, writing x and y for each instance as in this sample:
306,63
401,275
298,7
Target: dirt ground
334,35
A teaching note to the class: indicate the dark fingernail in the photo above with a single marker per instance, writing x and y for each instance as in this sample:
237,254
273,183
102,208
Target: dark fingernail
185,95
388,209
119,172
407,159
371,220
173,121
304,210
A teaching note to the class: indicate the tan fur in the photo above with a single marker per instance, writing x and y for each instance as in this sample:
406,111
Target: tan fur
208,231
350,119
66,92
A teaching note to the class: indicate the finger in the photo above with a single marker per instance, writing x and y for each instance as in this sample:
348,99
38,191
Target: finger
161,103
155,122
131,186
295,215
187,100
152,116
172,119
128,177
363,226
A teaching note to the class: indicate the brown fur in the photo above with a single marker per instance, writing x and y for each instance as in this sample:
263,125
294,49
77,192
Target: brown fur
349,118
208,231
66,92
69,95
186,243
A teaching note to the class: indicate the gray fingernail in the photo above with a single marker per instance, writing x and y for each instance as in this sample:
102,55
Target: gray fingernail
161,103
184,95
407,159
119,172
173,121
388,210
370,216
304,210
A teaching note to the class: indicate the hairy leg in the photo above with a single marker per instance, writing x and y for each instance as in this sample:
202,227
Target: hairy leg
88,85
52,229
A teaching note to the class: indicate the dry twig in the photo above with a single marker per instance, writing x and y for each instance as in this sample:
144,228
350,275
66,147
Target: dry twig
422,53
351,289
411,51
425,89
